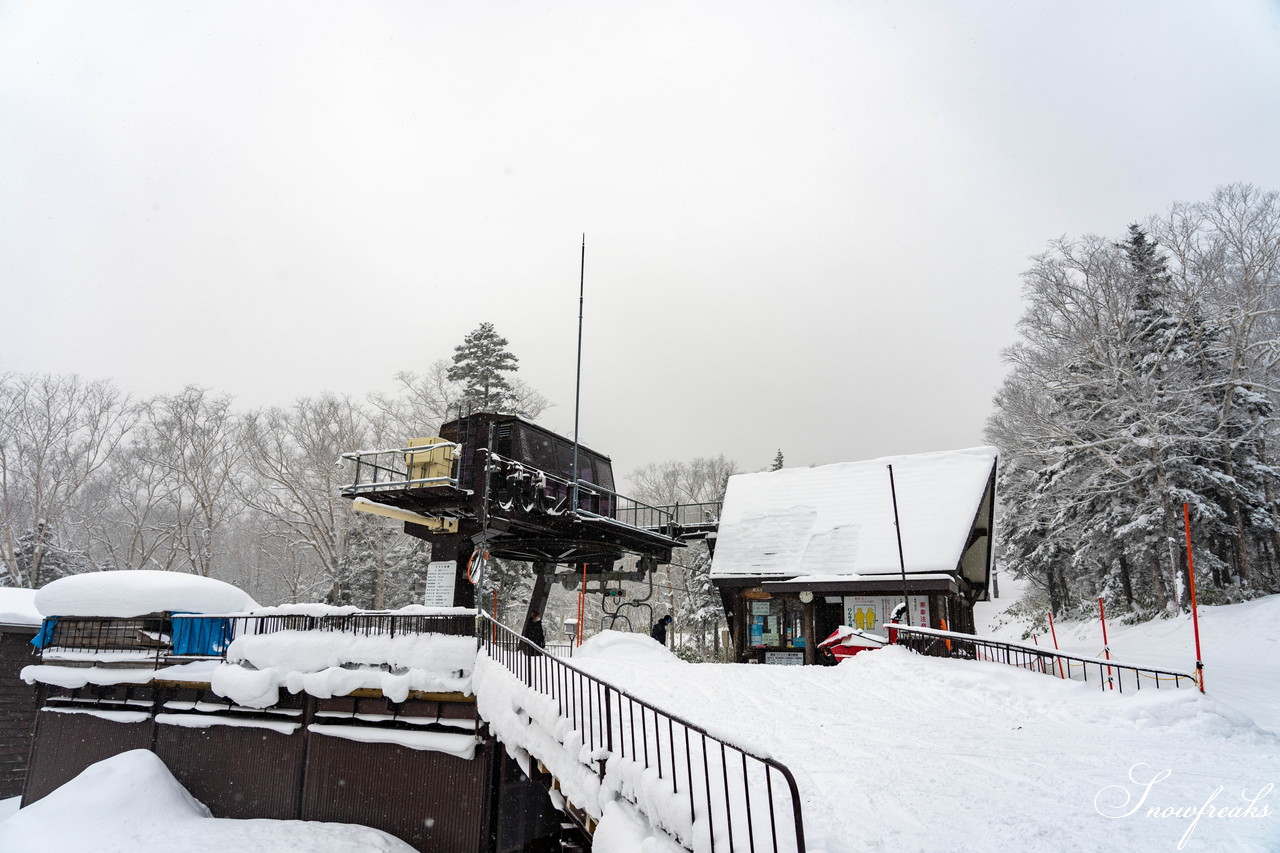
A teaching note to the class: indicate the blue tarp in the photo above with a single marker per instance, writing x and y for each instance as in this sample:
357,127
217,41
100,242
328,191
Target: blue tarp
45,635
200,636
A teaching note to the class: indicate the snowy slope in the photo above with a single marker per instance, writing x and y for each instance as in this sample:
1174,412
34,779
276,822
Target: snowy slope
897,752
1240,644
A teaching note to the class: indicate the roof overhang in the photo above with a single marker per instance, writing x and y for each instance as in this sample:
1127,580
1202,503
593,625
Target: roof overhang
867,585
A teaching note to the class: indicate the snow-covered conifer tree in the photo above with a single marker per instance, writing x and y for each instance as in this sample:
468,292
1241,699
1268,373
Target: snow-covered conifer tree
481,363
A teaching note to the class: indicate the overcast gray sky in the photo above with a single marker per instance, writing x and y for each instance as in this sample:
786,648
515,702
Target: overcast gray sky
805,220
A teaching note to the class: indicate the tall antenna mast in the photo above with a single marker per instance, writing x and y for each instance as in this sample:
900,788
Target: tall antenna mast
577,391
902,563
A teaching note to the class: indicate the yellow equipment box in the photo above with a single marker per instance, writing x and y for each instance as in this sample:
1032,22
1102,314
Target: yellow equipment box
433,464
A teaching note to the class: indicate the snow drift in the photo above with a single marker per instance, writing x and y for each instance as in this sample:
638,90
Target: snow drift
137,592
130,803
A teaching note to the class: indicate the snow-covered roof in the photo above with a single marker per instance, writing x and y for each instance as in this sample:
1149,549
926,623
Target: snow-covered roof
18,607
135,593
838,519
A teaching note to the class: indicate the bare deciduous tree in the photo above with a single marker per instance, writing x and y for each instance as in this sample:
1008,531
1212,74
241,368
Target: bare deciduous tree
57,433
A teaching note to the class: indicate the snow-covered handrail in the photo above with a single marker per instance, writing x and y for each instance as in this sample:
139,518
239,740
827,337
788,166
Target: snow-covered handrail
702,790
1111,673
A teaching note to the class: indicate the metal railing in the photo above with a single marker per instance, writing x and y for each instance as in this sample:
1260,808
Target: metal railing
559,648
678,515
389,469
166,639
724,796
1108,673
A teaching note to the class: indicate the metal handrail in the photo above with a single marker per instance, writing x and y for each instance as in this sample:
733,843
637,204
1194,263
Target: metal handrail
585,486
724,783
677,514
1111,674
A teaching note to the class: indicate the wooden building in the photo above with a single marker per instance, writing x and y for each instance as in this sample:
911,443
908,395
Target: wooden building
19,622
803,551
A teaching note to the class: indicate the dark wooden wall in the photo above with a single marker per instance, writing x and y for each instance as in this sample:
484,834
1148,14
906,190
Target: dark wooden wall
434,801
67,743
18,703
237,772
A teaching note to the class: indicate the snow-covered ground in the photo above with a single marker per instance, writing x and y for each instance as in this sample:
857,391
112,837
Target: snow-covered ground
897,752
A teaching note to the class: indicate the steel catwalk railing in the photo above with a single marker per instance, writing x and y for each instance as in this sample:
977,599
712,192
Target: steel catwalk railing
737,800
554,494
1109,673
389,469
669,515
83,638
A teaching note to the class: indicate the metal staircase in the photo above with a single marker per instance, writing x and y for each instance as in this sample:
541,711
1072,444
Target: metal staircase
703,792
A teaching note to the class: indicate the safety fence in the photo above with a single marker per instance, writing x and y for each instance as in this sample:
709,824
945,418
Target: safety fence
433,464
719,796
673,518
167,638
1109,674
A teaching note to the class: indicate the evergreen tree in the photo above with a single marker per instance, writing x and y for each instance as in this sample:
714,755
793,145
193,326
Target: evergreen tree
1125,400
777,461
480,363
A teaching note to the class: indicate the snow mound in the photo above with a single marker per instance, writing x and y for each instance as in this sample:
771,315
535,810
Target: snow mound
623,647
18,607
130,802
335,663
138,592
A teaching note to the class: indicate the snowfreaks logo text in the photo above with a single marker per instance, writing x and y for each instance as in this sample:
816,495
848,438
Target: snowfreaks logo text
1120,801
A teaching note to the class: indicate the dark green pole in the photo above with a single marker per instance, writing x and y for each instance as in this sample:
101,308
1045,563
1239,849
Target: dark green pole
902,563
577,391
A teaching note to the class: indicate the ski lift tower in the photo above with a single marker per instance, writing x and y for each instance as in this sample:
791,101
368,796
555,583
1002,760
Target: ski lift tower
495,485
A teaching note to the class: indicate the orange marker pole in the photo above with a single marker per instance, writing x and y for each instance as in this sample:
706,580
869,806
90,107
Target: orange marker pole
1106,649
1054,633
1195,615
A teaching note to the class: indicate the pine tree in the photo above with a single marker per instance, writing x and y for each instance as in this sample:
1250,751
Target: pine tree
480,363
777,461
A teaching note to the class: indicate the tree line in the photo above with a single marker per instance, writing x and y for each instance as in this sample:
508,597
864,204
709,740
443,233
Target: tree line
1147,377
94,480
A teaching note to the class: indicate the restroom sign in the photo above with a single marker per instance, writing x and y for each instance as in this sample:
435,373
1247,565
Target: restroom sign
870,612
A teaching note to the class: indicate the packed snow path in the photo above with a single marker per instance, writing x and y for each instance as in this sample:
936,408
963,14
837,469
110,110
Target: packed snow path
894,751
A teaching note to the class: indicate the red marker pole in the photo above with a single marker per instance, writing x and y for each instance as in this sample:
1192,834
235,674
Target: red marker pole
1195,615
1054,633
1106,647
